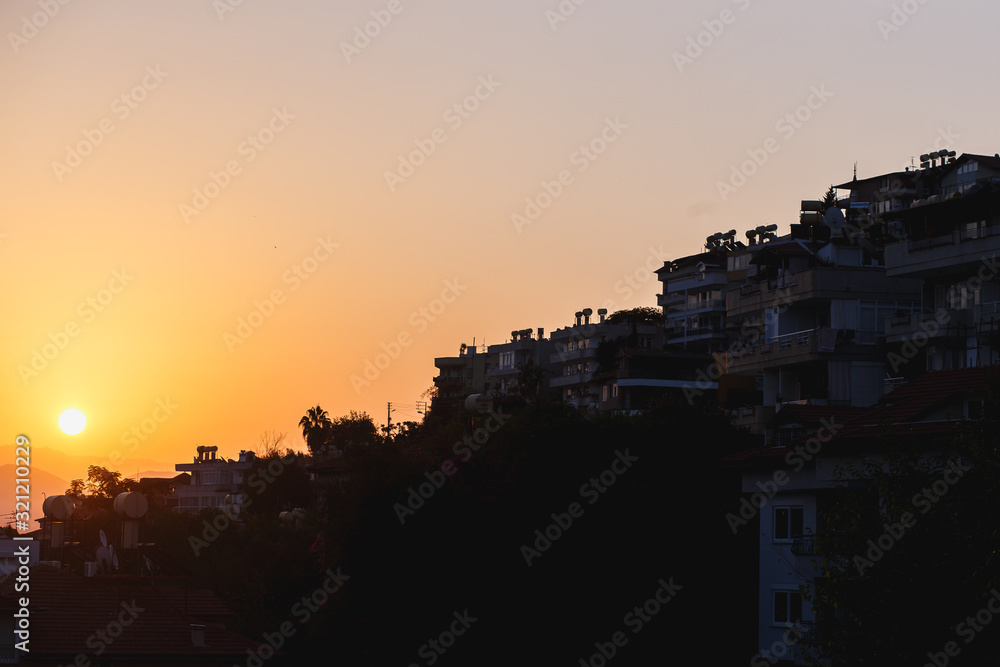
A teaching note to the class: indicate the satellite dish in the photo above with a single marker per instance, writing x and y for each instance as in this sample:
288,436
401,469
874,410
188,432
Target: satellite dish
834,219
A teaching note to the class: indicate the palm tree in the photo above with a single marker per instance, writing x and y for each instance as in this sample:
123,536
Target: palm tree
315,427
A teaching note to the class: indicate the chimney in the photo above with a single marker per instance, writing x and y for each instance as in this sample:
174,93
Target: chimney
541,333
602,312
578,315
587,312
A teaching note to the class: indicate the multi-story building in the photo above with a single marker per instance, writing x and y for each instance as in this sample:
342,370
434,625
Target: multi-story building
694,301
586,350
461,376
212,479
943,230
808,320
797,473
523,350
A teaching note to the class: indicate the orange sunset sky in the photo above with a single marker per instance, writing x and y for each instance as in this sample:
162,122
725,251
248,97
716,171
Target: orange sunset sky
172,167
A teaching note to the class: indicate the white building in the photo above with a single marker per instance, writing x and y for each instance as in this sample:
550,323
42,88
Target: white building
212,479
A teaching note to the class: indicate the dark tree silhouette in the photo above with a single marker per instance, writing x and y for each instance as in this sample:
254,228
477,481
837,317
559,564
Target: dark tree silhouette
315,428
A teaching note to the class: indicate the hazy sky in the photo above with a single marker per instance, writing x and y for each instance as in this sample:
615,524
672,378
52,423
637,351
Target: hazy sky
172,167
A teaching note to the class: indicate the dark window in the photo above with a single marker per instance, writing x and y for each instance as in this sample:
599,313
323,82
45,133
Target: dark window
787,523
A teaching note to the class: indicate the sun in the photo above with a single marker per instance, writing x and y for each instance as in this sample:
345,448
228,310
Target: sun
72,421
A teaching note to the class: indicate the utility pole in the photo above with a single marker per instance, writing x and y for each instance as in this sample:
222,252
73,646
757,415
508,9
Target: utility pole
388,417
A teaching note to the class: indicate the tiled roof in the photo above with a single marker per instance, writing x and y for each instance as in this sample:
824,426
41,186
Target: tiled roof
901,413
67,610
812,415
902,409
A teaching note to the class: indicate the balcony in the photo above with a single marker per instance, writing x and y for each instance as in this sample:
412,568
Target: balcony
696,281
805,346
570,380
820,284
938,324
698,333
804,546
708,304
961,251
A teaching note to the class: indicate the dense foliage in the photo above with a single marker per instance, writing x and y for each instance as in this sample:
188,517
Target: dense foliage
440,518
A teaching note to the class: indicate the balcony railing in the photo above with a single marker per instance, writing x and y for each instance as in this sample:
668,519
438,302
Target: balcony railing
786,341
804,546
697,305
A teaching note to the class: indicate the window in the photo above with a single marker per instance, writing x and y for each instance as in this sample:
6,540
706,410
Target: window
787,523
468,374
969,168
614,390
787,607
605,392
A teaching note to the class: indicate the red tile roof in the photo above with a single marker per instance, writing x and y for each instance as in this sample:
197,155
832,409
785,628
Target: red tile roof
901,413
67,610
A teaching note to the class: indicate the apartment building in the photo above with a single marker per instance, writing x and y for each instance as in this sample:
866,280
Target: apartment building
585,352
943,229
525,349
694,300
212,480
461,376
794,477
808,318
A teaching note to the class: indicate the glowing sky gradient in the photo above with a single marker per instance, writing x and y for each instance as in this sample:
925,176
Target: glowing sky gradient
169,290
